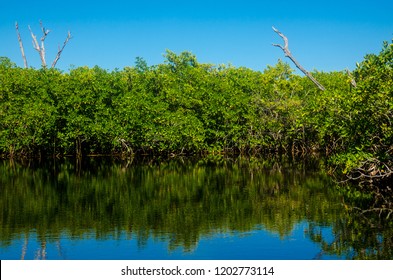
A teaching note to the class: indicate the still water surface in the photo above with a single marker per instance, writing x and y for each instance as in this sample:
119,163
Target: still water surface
210,208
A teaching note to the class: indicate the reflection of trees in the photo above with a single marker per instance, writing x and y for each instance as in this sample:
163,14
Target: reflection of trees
169,200
40,253
356,237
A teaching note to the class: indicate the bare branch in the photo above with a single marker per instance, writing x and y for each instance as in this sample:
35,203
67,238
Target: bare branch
289,55
369,170
22,50
61,50
40,48
285,48
44,31
372,168
37,47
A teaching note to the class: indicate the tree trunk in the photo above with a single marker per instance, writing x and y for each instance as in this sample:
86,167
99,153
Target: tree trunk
22,50
78,147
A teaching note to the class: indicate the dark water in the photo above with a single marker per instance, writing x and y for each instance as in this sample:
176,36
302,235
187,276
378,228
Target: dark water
210,208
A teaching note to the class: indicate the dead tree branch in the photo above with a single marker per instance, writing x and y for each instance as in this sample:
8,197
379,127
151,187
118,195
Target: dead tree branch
37,47
61,49
289,55
371,169
41,48
22,50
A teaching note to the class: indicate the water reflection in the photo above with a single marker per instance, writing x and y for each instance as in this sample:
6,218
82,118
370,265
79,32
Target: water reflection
199,209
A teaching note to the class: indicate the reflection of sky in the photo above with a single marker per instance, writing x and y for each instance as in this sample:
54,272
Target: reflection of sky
257,244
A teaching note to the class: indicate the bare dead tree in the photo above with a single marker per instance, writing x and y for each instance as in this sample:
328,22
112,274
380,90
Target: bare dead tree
22,50
289,55
61,49
40,48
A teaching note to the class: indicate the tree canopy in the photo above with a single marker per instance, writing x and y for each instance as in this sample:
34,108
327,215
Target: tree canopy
185,107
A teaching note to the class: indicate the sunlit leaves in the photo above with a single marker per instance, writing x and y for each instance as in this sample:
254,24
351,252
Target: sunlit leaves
183,106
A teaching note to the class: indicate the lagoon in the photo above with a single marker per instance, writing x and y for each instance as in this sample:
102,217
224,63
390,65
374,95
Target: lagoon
183,208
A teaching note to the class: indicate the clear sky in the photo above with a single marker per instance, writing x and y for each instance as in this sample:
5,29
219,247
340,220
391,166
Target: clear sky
323,35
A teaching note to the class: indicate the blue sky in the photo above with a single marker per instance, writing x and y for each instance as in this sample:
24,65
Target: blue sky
323,35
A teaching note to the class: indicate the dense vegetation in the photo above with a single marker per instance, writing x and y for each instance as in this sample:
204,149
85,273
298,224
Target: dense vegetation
186,107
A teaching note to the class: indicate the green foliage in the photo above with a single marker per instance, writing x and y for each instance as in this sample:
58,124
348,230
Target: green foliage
349,161
374,99
28,111
183,106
